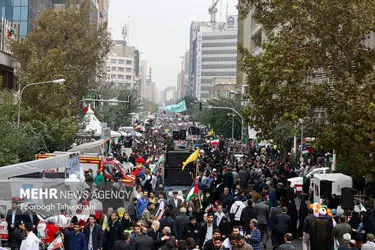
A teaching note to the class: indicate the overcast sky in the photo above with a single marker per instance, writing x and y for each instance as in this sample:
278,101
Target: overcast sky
160,30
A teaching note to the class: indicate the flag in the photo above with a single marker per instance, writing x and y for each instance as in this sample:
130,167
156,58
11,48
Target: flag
56,244
160,161
192,157
176,108
149,160
105,223
194,192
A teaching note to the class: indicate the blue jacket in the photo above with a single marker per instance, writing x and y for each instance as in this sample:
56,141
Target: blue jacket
76,242
142,205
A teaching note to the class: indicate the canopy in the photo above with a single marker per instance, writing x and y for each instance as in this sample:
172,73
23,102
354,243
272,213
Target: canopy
90,147
60,161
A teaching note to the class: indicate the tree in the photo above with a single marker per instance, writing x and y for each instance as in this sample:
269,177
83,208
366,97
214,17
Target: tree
315,57
63,44
220,119
118,114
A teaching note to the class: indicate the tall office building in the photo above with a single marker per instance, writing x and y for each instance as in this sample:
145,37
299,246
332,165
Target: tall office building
23,12
213,54
121,66
93,4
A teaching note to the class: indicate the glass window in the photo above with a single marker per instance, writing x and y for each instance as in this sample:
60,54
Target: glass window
129,77
16,2
24,13
113,61
9,12
16,13
120,76
128,62
2,2
24,2
8,2
113,76
128,70
121,61
108,69
121,69
24,29
113,68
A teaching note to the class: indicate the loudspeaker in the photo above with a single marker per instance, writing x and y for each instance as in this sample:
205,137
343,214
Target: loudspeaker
195,131
173,174
347,202
325,189
182,134
176,135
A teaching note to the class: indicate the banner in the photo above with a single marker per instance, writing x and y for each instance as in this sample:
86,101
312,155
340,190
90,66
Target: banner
176,108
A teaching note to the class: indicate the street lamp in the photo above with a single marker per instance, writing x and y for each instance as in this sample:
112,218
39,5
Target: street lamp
20,91
231,114
235,111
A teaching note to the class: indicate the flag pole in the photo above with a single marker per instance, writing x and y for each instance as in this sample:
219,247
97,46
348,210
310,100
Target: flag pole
196,179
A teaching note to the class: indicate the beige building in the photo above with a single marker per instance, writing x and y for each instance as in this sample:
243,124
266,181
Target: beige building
121,66
223,86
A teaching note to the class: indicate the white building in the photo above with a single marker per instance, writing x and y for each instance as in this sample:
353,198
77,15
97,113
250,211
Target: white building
213,54
121,65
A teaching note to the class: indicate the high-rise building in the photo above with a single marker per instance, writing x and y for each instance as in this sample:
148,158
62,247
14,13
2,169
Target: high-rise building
103,8
183,76
23,12
213,53
93,4
121,66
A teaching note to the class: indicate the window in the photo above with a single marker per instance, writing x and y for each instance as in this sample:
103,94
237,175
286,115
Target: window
129,70
121,61
128,77
108,69
113,61
121,69
120,76
113,69
128,62
113,76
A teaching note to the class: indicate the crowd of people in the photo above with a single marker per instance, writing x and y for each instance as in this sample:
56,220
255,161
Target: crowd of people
243,203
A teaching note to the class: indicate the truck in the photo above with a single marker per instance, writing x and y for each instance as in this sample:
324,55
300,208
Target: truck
297,182
107,165
324,185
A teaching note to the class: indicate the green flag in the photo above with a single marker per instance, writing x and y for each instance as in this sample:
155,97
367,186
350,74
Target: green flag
177,108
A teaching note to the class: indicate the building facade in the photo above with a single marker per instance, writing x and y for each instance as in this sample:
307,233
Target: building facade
23,12
213,53
121,66
223,86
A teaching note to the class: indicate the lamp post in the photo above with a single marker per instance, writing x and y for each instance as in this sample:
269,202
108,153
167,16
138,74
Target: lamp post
20,91
231,114
235,111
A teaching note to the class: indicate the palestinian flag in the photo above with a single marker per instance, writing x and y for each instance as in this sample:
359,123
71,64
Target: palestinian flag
56,244
194,192
158,163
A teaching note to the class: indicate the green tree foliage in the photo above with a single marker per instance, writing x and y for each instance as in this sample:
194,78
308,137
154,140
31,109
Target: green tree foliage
221,119
63,44
307,39
117,115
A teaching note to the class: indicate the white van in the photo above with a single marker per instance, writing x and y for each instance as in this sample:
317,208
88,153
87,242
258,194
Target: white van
338,180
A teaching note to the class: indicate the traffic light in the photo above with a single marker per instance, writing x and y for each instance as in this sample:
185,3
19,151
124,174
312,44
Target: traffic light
200,106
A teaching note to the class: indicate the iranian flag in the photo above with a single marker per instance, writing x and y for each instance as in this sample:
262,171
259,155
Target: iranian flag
194,192
56,244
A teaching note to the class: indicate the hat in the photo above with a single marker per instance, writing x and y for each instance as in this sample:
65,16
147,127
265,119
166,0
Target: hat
347,236
140,160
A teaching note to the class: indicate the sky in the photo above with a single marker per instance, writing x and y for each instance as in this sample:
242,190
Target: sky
159,29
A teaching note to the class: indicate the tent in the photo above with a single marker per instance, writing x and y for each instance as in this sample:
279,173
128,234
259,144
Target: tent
93,125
